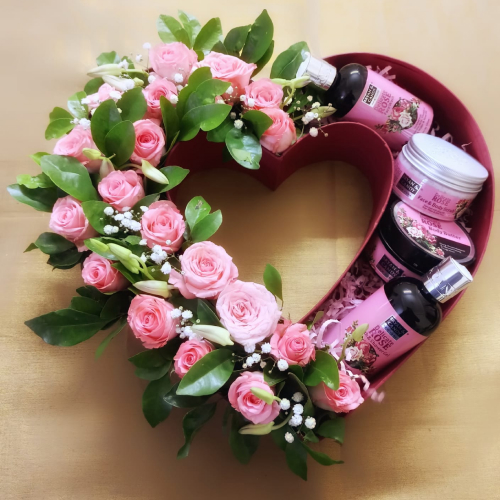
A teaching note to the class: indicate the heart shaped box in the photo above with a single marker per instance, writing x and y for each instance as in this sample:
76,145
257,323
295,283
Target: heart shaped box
363,148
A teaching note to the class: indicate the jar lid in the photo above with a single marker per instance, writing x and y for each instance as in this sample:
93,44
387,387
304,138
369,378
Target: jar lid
447,279
445,162
422,242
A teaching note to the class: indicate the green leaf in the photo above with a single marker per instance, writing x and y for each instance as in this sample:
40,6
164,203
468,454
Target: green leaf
321,458
130,64
40,199
151,364
278,436
172,398
192,423
308,406
196,210
51,243
244,147
333,429
258,120
296,458
120,142
58,128
287,63
102,346
209,35
297,370
243,446
116,306
92,293
105,117
146,201
65,327
59,113
66,260
205,117
175,176
191,25
264,59
219,47
271,375
259,38
31,247
86,305
154,407
208,374
195,79
323,369
206,315
272,280
133,105
37,157
107,58
317,317
35,181
209,89
68,174
92,86
206,228
219,134
235,40
311,437
171,30
94,211
76,108
170,120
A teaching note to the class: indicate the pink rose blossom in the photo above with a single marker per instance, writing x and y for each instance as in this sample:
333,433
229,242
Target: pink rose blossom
150,320
149,142
188,354
153,92
292,343
264,93
170,59
73,144
97,272
229,69
281,134
121,189
248,311
103,94
346,398
206,270
161,223
250,406
68,220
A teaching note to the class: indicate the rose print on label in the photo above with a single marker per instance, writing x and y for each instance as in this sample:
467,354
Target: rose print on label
359,355
461,207
403,115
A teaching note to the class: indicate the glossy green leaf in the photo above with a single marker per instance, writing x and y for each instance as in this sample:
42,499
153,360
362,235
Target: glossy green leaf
175,176
307,403
94,211
323,369
146,201
206,314
92,86
86,305
259,38
66,260
105,117
258,121
58,128
235,39
296,458
272,375
192,422
170,30
321,458
196,210
220,48
208,374
195,79
154,407
272,281
243,446
311,437
108,58
264,59
170,120
244,147
37,158
219,134
172,398
151,364
40,199
117,305
59,113
51,243
133,105
205,117
333,429
35,181
287,63
122,322
76,108
190,24
209,89
92,293
206,228
120,142
65,327
209,35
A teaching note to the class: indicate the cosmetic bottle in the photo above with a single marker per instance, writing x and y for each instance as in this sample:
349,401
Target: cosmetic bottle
361,95
400,315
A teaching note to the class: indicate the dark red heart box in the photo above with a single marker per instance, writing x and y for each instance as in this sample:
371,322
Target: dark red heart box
363,148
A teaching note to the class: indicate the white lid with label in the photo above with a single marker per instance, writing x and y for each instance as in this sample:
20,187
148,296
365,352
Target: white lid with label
319,72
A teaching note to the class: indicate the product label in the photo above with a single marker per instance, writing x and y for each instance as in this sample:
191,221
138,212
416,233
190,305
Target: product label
408,186
387,338
392,111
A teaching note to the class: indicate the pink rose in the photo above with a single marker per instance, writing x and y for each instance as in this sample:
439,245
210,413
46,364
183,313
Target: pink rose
149,142
170,59
207,269
150,320
153,92
121,189
248,311
396,111
188,354
105,92
264,93
161,223
68,220
73,144
293,344
250,406
281,134
229,69
97,272
346,398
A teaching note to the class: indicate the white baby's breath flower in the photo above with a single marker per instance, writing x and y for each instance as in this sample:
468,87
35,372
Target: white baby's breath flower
143,257
128,215
166,268
114,94
282,365
250,102
298,397
243,97
238,124
108,229
249,348
126,209
256,357
298,409
135,225
229,90
157,248
232,115
175,313
285,404
143,243
119,217
178,78
151,78
315,105
249,361
179,87
187,314
109,211
309,98
84,123
310,422
296,420
144,208
138,57
146,46
289,437
313,131
174,99
266,348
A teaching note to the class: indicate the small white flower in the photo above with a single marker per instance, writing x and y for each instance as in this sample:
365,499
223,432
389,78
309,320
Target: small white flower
249,348
309,98
128,215
229,90
135,225
75,121
166,268
143,257
126,209
179,87
109,211
256,357
243,97
289,437
250,102
187,314
282,365
308,117
178,78
238,124
245,365
146,46
296,420
313,131
86,100
123,64
187,330
168,242
157,248
266,348
85,123
138,57
310,422
315,105
114,94
125,223
174,99
250,361
143,243
298,409
115,229
144,208
175,313
108,229
232,115
151,78
284,404
118,217
298,397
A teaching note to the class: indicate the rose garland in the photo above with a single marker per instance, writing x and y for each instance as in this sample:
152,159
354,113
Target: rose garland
146,264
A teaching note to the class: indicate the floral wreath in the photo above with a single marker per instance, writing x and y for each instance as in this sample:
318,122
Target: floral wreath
149,265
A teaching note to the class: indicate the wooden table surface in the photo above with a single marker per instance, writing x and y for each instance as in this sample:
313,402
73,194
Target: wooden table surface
71,427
